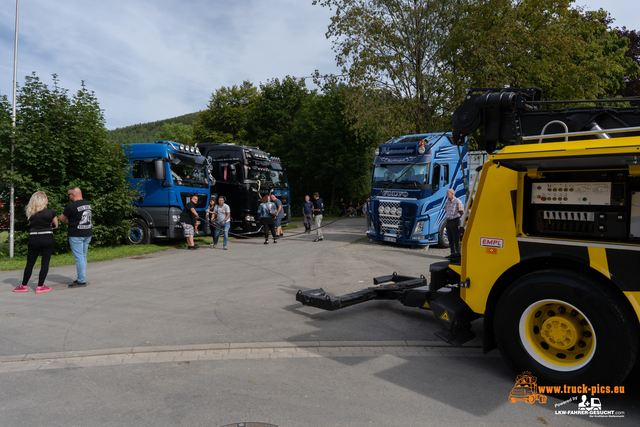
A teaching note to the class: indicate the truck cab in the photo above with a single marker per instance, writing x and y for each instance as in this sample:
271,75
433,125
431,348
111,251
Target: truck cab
409,182
242,176
167,175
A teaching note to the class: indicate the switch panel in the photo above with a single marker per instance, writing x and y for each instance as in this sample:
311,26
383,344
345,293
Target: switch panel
571,193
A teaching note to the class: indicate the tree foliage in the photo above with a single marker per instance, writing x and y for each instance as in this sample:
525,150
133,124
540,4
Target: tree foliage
390,53
306,129
61,141
567,53
147,132
225,119
177,132
632,87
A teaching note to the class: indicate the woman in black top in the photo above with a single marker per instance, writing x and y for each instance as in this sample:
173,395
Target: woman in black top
41,241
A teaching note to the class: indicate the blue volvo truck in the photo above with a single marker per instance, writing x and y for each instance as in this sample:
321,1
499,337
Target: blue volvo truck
167,175
409,182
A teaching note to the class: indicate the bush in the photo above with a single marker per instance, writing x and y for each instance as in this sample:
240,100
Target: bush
59,142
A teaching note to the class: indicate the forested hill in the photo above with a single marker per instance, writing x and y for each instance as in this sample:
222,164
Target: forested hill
145,132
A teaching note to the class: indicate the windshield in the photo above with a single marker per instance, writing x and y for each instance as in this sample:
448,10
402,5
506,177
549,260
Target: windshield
405,174
189,175
279,178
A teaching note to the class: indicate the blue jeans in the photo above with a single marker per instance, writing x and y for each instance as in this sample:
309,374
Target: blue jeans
216,234
79,247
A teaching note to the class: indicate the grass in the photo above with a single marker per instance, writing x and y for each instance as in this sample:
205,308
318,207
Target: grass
97,254
101,253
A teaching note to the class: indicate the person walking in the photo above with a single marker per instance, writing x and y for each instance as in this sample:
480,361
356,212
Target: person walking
78,215
222,212
318,212
307,213
279,215
453,211
189,221
267,219
366,210
42,222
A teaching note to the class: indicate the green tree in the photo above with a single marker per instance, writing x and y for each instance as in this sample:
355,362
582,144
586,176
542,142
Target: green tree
390,53
225,119
61,141
274,113
544,43
177,132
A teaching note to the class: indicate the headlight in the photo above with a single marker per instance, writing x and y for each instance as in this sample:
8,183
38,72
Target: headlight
399,211
381,210
250,218
421,150
176,218
392,210
419,227
181,147
387,210
377,152
192,150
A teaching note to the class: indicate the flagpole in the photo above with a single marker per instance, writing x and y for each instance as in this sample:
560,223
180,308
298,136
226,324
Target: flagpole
15,84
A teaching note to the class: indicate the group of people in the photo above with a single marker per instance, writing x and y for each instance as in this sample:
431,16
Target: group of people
42,222
271,216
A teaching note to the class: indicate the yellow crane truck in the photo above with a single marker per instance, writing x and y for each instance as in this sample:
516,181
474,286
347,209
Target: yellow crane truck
550,253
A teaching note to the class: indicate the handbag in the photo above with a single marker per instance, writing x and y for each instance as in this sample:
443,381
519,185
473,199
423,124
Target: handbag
272,209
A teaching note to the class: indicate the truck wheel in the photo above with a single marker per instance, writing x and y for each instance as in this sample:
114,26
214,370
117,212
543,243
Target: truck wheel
138,233
443,239
566,328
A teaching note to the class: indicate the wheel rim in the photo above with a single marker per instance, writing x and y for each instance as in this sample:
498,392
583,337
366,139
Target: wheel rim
135,234
557,335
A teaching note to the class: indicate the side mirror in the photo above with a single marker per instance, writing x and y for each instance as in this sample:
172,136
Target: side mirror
160,174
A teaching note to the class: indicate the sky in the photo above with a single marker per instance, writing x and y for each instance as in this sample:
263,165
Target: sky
149,60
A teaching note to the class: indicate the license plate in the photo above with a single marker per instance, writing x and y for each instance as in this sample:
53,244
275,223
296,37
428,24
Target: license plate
389,239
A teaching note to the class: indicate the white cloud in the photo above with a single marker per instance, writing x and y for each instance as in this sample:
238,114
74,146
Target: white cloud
150,60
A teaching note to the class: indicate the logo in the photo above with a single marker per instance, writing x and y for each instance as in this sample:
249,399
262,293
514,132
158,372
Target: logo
587,406
526,390
491,242
404,150
389,193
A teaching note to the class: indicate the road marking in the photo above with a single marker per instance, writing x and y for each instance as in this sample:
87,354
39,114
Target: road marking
228,351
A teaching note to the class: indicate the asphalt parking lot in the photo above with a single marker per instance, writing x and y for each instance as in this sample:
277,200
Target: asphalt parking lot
216,338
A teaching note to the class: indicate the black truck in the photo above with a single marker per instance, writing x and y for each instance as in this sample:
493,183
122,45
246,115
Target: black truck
243,177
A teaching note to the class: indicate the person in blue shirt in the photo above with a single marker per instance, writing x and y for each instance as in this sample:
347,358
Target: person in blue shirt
307,213
279,216
267,219
318,211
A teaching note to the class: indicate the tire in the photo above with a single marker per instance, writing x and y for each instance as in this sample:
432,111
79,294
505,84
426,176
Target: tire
138,233
566,328
443,239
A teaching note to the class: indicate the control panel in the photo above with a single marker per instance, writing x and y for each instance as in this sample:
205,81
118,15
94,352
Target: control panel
582,204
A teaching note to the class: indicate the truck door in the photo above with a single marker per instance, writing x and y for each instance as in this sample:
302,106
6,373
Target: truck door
152,193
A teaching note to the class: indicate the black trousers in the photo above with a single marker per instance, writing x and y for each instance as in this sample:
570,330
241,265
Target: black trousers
39,245
268,223
453,234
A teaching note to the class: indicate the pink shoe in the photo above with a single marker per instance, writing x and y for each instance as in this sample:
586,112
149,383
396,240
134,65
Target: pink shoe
21,288
41,289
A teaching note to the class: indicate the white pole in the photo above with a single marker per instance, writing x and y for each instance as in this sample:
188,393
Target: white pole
15,84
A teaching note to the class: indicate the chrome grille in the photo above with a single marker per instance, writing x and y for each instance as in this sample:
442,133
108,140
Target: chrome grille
390,224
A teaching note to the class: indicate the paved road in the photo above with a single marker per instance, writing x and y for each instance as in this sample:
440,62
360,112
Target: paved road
213,338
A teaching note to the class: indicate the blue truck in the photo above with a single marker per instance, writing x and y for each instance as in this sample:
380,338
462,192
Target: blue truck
409,182
167,175
278,176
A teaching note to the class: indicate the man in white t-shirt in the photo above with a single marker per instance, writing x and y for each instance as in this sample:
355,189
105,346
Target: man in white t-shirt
222,215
